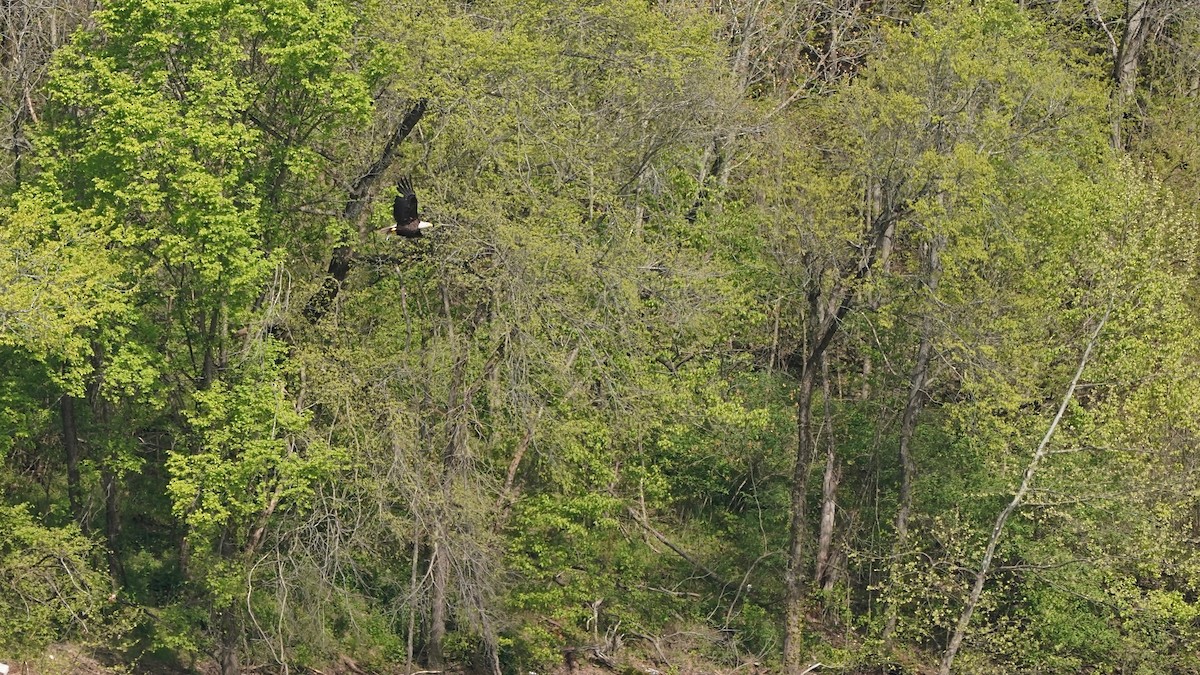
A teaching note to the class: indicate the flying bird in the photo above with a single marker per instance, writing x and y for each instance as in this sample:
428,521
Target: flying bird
404,212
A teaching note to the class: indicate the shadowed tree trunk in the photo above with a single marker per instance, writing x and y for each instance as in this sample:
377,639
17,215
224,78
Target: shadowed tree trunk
112,523
71,447
908,424
230,624
102,415
794,627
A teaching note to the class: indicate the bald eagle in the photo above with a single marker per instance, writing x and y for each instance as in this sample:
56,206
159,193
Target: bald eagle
404,212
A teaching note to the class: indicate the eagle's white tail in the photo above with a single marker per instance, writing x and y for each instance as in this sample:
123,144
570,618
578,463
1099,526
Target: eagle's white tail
422,225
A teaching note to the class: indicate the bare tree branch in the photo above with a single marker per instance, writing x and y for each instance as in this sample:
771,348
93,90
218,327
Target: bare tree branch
1040,453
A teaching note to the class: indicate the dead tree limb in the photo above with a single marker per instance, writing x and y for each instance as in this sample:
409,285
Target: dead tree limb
678,551
1040,453
356,205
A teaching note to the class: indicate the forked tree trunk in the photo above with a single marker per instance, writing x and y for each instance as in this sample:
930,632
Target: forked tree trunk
820,338
1128,59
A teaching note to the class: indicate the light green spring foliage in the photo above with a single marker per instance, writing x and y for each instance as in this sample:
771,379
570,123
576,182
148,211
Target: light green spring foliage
597,349
992,144
156,155
50,588
58,283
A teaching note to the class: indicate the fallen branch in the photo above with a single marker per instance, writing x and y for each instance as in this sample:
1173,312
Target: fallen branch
678,551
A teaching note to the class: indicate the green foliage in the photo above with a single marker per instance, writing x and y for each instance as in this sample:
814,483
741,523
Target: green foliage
565,421
58,282
246,464
50,592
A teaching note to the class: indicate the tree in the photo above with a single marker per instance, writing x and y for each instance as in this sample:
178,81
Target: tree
50,592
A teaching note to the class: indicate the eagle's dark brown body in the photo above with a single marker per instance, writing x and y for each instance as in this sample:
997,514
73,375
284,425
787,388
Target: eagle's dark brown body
404,211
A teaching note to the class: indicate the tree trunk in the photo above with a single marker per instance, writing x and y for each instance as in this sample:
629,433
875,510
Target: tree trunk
908,425
872,207
964,619
438,611
793,574
1133,39
71,446
112,524
230,637
102,414
829,485
208,372
227,618
412,613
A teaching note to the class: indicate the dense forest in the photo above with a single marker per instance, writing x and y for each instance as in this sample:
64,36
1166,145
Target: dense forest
793,336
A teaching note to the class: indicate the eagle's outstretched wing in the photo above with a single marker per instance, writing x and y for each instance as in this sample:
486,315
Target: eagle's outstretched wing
404,209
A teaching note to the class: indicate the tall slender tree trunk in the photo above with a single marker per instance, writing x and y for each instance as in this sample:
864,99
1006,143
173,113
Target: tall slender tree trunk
908,425
112,524
872,207
102,413
412,614
794,581
437,615
829,485
71,446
